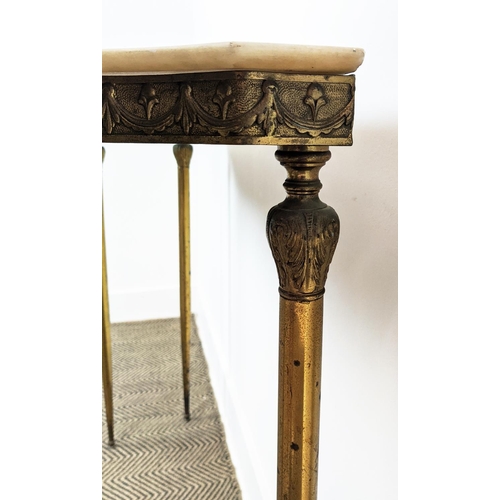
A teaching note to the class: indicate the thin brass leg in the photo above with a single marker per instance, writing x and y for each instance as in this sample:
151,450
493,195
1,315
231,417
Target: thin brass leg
183,153
303,234
107,376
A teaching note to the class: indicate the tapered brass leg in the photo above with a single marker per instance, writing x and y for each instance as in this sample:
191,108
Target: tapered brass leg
183,153
303,234
107,377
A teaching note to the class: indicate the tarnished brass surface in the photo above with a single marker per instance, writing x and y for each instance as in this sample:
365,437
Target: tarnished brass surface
303,233
183,153
229,108
299,392
107,374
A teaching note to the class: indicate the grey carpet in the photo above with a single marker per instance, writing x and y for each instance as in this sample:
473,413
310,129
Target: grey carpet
158,454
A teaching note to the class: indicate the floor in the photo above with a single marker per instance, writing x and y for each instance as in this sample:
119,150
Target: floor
158,454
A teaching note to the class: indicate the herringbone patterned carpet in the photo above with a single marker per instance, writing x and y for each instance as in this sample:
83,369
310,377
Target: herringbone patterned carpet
158,455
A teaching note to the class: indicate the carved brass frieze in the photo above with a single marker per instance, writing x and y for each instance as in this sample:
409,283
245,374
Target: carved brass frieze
229,108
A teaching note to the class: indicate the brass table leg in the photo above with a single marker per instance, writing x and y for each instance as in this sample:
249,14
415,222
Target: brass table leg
302,232
107,377
183,153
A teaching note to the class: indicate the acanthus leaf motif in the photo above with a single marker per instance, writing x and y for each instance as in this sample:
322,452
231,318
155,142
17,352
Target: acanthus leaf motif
148,99
223,97
302,245
315,98
110,113
288,248
186,110
269,116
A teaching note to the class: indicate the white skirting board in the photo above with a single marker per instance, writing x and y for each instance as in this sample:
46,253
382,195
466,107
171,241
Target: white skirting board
242,450
140,305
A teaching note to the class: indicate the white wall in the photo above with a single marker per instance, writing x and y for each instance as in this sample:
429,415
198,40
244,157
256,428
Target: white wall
234,278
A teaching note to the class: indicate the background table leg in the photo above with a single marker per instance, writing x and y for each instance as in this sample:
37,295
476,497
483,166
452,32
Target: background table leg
183,153
303,234
107,376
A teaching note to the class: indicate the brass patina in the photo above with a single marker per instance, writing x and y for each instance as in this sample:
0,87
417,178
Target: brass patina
303,115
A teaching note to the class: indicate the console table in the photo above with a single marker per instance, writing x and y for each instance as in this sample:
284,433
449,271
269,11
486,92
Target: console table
298,98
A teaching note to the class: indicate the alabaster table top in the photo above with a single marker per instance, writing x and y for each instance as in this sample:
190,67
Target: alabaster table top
230,56
230,93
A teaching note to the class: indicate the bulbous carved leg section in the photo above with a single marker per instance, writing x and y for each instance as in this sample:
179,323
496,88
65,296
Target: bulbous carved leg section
302,243
302,232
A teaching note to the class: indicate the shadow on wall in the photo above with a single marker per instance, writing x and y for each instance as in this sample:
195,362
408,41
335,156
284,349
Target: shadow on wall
360,182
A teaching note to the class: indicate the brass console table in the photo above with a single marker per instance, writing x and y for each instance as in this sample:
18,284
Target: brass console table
300,99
